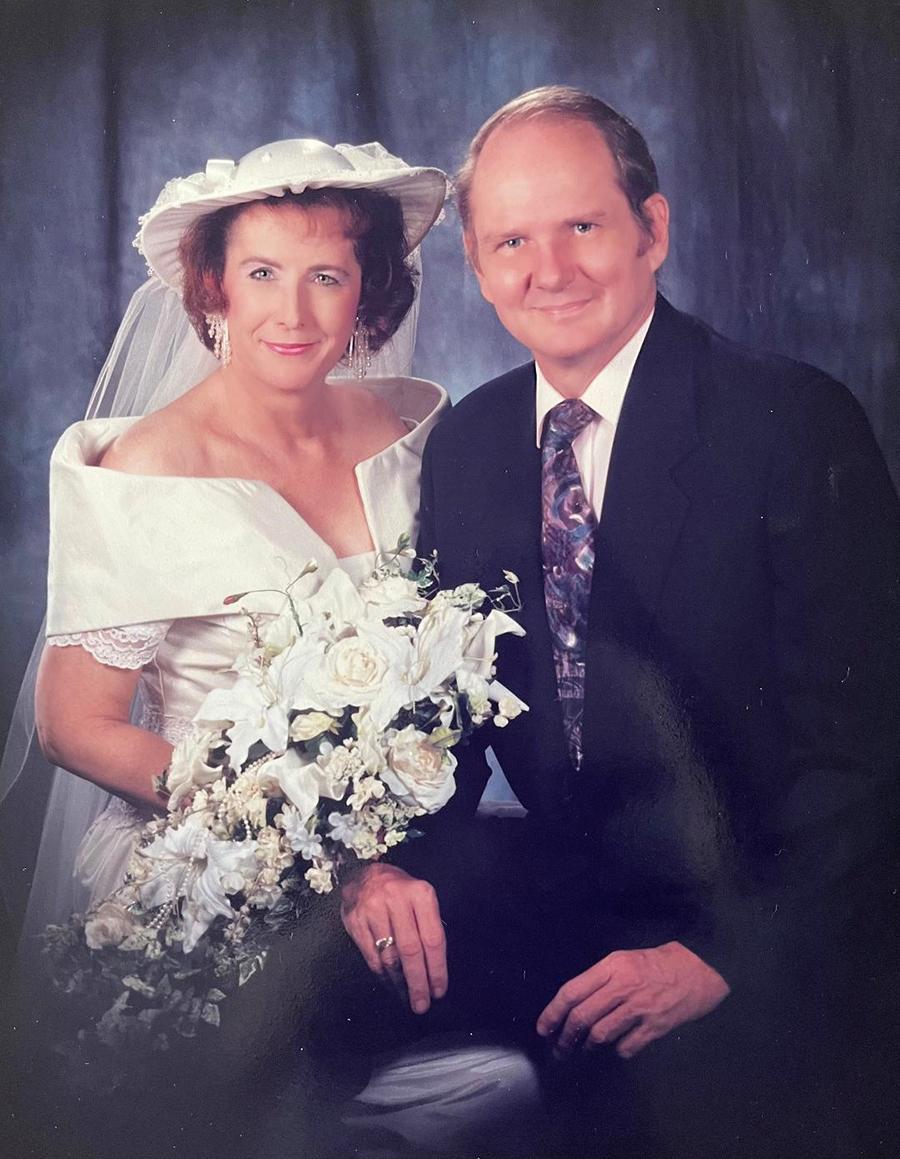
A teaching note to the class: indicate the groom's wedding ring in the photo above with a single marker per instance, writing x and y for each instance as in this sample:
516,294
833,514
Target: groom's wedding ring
382,944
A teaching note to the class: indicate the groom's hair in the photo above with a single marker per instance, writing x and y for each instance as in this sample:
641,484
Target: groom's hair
637,171
375,224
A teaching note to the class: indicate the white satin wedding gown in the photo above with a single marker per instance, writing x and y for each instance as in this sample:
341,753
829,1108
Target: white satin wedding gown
139,568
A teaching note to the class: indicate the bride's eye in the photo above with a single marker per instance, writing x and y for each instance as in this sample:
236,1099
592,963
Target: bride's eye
261,274
323,279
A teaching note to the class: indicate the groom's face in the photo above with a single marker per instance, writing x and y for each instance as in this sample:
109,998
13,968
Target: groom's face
557,249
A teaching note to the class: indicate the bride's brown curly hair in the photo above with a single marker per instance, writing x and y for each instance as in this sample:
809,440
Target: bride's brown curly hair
375,224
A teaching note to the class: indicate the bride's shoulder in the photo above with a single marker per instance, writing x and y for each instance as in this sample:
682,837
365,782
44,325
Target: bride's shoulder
371,417
166,442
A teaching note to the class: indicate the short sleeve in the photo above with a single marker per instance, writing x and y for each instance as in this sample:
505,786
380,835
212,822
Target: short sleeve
131,646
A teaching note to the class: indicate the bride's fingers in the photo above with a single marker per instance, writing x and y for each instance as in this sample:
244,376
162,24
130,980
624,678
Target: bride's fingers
391,969
411,951
434,942
386,949
384,903
365,931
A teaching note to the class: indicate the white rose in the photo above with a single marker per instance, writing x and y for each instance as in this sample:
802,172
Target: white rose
188,768
320,878
509,706
354,669
419,772
310,724
475,688
466,596
109,925
394,595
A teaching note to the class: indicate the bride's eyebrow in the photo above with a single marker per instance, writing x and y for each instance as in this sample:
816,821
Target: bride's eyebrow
318,268
259,261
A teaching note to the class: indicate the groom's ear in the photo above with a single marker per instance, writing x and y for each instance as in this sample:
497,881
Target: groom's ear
471,248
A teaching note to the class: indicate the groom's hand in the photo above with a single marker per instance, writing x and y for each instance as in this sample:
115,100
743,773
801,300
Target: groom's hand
381,901
631,998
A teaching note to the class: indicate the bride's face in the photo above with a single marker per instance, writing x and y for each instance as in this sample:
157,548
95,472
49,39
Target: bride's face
292,284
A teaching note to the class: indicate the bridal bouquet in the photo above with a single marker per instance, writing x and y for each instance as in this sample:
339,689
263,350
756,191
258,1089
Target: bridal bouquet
336,733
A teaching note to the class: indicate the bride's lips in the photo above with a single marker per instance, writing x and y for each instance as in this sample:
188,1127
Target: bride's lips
289,348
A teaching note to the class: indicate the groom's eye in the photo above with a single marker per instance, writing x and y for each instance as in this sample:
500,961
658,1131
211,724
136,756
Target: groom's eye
583,227
511,243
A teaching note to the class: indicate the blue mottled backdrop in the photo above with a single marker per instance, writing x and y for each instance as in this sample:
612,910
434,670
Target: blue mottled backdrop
774,124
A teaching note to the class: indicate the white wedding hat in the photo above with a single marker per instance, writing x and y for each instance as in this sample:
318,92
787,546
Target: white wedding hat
281,167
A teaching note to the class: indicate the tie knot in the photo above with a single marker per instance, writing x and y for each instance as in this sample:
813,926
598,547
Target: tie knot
565,422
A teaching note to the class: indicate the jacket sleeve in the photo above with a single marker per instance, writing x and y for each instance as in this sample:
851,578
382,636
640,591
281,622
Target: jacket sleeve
823,902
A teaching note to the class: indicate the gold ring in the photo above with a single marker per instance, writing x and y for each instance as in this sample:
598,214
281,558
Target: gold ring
382,944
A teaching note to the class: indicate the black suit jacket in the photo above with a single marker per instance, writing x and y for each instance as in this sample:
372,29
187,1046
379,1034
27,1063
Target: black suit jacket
740,735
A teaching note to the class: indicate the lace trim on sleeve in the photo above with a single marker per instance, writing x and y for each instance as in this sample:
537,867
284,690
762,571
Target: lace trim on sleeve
131,646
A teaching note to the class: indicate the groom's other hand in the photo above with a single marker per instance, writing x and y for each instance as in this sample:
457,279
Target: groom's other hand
382,902
630,998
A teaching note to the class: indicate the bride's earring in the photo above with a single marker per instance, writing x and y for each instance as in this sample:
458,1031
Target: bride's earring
359,359
217,325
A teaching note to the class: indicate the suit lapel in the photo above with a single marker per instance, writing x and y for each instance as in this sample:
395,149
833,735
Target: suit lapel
513,480
644,506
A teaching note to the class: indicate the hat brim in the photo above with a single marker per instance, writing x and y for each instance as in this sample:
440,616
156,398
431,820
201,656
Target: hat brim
420,191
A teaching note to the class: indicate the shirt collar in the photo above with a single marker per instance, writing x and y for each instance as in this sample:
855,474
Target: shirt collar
605,393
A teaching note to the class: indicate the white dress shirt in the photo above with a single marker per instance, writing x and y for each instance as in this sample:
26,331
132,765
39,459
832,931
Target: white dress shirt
604,395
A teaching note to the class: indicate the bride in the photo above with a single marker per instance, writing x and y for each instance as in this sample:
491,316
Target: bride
233,435
285,262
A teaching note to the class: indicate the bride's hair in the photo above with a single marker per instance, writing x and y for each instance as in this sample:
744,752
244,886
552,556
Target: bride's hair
375,224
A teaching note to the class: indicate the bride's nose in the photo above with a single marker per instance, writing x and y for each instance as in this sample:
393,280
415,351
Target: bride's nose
293,312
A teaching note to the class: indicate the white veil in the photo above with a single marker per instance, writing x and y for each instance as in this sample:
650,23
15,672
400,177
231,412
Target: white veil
155,357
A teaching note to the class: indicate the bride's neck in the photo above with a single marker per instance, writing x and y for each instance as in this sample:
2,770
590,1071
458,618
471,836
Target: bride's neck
257,413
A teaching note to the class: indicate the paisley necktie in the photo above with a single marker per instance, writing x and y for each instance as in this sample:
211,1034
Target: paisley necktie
567,541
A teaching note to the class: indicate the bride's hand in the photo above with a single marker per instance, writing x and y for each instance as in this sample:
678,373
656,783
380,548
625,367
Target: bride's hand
382,902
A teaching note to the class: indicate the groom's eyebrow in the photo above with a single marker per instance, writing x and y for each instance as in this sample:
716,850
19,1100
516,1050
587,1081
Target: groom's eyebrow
595,215
497,237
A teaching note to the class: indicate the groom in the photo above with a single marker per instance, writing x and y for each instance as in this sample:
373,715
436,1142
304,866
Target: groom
708,550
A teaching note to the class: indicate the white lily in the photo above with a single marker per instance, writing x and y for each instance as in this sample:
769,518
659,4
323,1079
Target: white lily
300,779
256,706
188,862
481,641
419,664
337,603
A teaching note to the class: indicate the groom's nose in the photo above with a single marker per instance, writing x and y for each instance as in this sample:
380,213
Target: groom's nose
553,266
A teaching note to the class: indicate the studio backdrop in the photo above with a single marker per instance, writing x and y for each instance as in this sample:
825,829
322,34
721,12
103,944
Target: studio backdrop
774,125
